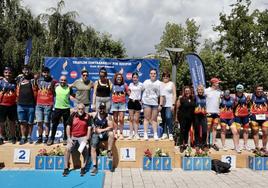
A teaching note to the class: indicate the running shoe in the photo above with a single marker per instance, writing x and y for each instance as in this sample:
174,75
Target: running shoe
164,136
171,137
65,172
156,137
215,147
82,171
93,171
145,136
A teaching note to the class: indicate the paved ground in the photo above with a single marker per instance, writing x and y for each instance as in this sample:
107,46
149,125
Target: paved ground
136,177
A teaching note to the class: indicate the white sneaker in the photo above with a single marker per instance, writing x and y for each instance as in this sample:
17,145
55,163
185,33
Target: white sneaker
156,137
145,136
171,137
224,148
164,136
246,147
137,137
130,137
238,150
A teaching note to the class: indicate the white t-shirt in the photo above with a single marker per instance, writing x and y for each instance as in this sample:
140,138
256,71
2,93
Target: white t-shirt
135,90
167,91
213,100
151,92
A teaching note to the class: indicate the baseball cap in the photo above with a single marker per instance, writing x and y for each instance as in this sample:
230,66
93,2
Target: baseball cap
215,80
239,87
8,69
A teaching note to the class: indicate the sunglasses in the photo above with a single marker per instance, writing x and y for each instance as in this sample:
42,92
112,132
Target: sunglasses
63,80
102,76
85,75
80,108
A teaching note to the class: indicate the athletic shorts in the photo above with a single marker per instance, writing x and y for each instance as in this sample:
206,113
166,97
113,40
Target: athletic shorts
96,138
118,107
43,113
225,122
8,111
213,119
26,113
242,120
153,107
134,105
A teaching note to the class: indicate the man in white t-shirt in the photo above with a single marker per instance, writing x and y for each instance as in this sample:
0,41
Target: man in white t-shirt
213,95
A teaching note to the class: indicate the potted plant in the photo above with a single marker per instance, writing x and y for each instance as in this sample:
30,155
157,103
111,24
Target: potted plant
50,160
160,160
259,161
197,161
104,163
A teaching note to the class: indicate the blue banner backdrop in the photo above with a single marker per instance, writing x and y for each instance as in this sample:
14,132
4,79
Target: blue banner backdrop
72,66
28,51
197,70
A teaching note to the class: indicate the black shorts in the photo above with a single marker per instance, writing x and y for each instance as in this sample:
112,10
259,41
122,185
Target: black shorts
8,111
134,105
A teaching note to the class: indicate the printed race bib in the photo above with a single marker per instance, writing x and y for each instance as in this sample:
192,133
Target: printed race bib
260,117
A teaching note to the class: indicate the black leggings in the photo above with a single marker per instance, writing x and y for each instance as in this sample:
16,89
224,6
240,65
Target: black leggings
200,130
56,116
185,124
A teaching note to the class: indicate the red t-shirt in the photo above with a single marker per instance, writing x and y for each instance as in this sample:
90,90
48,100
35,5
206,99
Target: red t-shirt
45,94
79,125
8,94
119,93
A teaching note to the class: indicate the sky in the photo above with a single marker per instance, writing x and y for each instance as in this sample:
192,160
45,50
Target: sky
140,23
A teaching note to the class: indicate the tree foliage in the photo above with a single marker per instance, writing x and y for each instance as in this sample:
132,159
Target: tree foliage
54,33
238,56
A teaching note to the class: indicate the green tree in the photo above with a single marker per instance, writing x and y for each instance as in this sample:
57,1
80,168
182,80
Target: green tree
192,35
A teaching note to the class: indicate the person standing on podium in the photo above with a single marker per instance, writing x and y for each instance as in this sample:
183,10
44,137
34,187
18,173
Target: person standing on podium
152,99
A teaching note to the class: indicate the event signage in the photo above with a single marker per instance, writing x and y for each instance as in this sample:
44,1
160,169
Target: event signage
71,67
22,155
196,70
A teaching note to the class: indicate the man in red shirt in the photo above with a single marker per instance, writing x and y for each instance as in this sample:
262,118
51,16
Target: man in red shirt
8,107
78,133
44,103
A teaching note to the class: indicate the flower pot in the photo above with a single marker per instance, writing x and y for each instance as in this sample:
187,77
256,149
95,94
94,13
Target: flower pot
196,163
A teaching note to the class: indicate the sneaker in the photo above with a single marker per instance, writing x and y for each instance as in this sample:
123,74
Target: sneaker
39,141
156,137
145,136
164,136
1,141
29,139
171,137
215,147
65,172
13,140
50,142
246,147
121,137
224,148
130,137
82,171
238,150
22,141
64,142
137,137
45,140
93,171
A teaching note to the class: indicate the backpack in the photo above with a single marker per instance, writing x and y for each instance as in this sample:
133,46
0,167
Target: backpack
220,167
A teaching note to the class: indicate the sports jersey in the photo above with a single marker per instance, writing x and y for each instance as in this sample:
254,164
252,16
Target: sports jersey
79,124
45,94
119,93
26,90
226,108
259,104
241,108
62,99
99,122
7,93
200,105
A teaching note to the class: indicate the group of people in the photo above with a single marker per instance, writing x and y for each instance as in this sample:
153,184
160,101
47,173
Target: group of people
28,98
211,107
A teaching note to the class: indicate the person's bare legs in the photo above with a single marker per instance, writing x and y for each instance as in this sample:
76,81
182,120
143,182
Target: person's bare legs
115,121
121,123
264,137
131,122
136,121
147,119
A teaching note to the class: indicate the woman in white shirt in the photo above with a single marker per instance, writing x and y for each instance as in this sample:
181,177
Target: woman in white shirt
134,105
169,92
150,102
